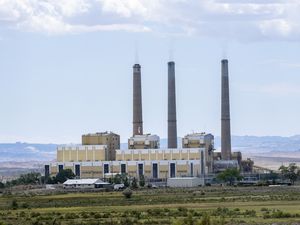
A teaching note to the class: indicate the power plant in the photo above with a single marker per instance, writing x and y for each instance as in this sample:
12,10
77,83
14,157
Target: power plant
100,155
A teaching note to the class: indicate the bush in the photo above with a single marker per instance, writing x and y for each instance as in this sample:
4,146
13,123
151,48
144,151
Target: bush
134,183
205,220
127,193
14,204
25,205
142,181
251,213
34,214
189,220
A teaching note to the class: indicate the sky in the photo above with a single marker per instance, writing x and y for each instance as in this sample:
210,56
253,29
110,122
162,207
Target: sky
66,66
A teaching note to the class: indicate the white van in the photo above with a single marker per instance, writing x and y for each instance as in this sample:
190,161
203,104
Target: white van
118,187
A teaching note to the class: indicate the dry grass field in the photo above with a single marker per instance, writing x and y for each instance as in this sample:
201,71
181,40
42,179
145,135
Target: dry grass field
203,205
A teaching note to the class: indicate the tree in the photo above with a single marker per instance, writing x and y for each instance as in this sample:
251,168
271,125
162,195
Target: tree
142,181
30,178
63,175
230,175
291,172
117,179
134,183
126,181
2,185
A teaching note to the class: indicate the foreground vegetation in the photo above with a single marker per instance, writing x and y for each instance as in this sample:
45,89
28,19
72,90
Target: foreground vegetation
203,205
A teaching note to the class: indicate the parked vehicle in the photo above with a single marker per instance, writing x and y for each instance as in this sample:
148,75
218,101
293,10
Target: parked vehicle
118,187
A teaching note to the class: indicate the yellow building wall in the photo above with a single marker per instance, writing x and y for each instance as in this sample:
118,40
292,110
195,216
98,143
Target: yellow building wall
74,156
128,157
167,156
160,156
132,170
116,169
147,170
163,168
90,155
176,156
119,157
59,155
194,156
144,156
136,157
181,170
81,155
184,156
153,156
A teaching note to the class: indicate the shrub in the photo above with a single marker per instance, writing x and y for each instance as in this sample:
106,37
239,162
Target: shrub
14,204
251,213
71,216
205,220
34,214
22,214
127,193
189,220
134,183
142,181
264,209
25,205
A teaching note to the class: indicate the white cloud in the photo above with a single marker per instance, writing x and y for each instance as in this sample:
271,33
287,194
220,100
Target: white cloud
229,19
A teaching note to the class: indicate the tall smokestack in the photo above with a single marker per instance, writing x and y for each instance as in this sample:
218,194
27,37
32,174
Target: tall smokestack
137,101
225,114
172,122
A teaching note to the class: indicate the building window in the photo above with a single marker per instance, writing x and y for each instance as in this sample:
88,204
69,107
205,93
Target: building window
106,168
192,169
123,168
47,171
154,170
60,168
77,171
202,163
172,170
141,169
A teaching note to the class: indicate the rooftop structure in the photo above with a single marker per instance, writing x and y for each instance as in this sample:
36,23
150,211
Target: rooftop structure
201,140
84,183
144,141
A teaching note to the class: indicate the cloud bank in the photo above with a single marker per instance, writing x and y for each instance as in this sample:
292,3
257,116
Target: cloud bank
228,19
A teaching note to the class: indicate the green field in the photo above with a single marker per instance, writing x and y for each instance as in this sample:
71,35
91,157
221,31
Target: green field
217,205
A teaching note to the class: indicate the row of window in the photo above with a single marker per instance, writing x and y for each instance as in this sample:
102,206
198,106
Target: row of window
124,169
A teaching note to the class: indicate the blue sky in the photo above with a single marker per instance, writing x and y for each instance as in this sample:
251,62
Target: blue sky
66,66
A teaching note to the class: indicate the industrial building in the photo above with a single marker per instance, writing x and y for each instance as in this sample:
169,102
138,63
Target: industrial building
110,139
201,140
84,184
151,163
100,155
